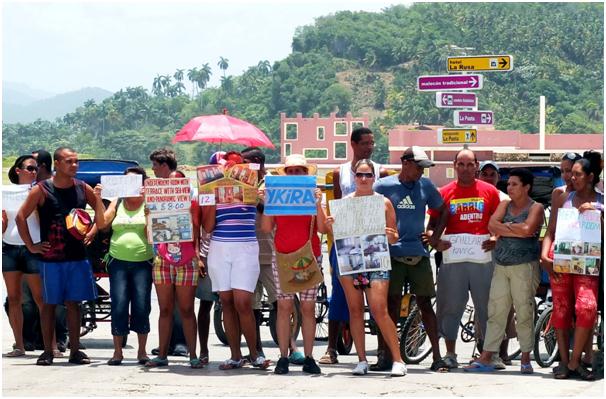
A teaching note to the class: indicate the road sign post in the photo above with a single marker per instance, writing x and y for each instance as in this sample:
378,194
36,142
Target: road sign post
456,100
467,118
457,136
449,82
487,63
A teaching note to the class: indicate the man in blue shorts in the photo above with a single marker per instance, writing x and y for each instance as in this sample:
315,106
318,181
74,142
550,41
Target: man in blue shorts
66,274
411,194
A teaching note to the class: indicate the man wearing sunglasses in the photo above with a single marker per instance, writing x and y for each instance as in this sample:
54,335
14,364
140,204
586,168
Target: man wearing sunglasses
411,194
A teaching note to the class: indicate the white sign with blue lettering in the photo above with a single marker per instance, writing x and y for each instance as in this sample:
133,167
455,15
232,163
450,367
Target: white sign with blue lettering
290,195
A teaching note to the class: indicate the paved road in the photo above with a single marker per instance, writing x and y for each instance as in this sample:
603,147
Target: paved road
20,377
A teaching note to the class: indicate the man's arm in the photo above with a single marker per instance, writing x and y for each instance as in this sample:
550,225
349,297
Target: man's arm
383,172
34,198
336,186
436,227
93,198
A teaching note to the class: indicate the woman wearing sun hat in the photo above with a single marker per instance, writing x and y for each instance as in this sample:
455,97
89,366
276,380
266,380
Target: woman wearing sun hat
292,233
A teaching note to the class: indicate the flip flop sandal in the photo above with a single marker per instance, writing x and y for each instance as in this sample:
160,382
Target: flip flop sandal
477,367
57,353
114,362
79,358
561,373
16,353
203,359
156,362
261,363
45,359
526,368
582,373
231,364
143,360
330,357
195,363
439,366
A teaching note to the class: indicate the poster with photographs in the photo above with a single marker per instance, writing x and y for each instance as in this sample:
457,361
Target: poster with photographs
577,247
169,227
359,234
219,184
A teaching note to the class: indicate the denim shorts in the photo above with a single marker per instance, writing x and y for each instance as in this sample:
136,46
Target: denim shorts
71,281
16,258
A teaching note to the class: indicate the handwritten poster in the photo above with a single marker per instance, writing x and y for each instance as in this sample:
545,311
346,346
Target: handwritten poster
290,195
235,184
466,248
121,186
359,232
14,196
169,202
577,248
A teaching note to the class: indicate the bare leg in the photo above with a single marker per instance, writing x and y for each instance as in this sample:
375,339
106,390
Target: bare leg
581,335
377,300
308,310
166,301
73,327
285,308
431,324
355,303
185,303
243,306
15,312
35,285
118,340
204,326
141,351
230,320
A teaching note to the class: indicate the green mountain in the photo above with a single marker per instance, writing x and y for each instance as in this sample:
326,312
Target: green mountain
361,61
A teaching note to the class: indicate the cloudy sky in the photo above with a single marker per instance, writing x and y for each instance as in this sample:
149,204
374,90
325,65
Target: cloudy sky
66,45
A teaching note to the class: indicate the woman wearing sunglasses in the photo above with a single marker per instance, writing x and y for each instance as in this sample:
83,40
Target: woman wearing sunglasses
17,261
374,284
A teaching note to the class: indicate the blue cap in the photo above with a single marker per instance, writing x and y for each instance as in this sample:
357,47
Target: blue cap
484,164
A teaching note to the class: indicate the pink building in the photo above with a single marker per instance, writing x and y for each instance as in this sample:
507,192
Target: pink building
321,140
506,147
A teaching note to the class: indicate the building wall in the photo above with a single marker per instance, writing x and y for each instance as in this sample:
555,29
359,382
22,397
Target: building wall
301,135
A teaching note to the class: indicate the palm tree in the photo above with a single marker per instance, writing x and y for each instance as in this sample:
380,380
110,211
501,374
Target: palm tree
178,75
223,64
192,75
157,86
264,67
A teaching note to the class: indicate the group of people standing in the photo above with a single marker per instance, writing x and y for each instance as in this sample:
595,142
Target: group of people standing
235,246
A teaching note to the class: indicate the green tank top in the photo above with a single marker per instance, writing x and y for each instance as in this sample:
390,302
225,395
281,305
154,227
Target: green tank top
128,241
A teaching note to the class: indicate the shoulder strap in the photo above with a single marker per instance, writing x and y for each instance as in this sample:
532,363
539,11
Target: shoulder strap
311,227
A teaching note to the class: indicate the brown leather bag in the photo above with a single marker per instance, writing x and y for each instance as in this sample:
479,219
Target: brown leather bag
298,271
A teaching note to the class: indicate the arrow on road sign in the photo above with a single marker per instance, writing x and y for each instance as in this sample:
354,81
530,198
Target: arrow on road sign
503,63
466,118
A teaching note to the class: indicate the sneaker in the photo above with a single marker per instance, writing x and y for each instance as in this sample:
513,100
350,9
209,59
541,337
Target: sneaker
497,362
296,358
451,360
310,366
361,368
398,369
282,366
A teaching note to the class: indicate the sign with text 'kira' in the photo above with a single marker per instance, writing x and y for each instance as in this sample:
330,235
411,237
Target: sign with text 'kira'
488,63
449,82
466,118
456,100
457,136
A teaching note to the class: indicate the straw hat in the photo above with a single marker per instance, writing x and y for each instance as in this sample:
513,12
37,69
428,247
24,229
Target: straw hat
297,160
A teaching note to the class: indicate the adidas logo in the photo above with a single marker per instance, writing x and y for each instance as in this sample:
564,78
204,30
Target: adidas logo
406,203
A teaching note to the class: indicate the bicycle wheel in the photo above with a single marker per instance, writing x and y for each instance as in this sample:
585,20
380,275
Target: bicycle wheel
344,340
295,321
218,323
322,314
414,344
545,342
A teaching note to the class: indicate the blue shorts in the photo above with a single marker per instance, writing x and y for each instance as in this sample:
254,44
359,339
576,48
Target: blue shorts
16,258
67,281
337,304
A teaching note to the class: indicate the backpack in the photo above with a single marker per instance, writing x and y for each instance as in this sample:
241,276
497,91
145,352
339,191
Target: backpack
98,250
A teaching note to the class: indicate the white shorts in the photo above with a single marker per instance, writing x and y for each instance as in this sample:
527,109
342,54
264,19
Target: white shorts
233,265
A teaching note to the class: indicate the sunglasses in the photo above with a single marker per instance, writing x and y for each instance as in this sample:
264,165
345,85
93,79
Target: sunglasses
366,175
30,168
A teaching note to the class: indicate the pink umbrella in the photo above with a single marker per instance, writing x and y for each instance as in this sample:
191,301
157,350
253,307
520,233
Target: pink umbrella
222,129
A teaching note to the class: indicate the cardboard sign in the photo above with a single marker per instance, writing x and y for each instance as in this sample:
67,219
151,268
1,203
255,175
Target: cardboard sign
359,233
290,195
466,248
167,195
14,196
169,227
577,248
236,184
121,186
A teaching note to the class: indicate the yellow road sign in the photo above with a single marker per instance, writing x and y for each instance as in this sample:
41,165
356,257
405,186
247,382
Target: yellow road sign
490,63
457,136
